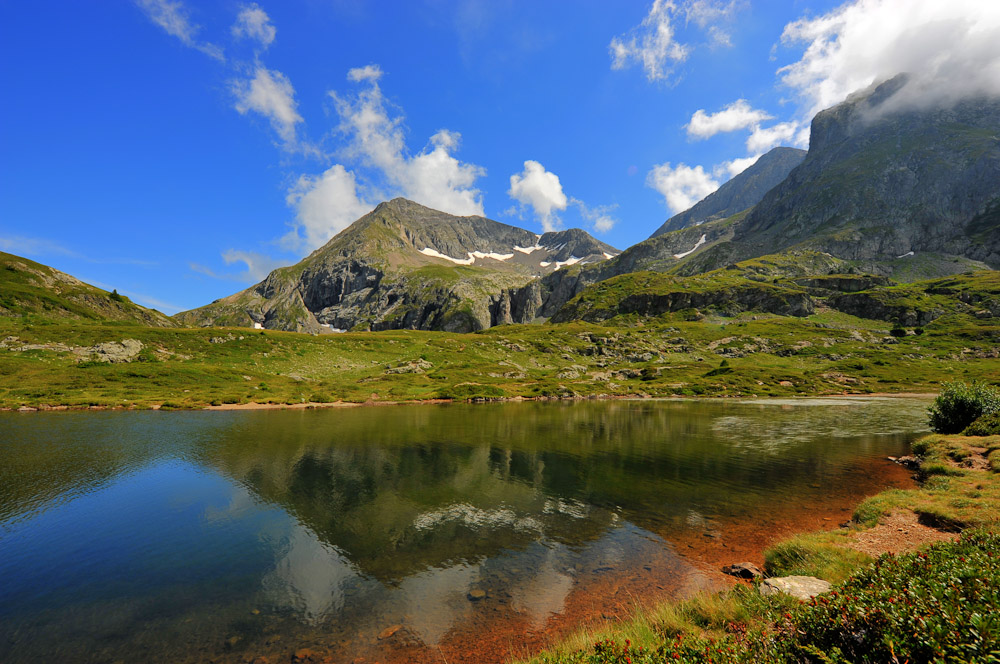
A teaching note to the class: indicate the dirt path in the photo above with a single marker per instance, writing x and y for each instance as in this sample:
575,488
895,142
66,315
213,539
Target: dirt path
898,532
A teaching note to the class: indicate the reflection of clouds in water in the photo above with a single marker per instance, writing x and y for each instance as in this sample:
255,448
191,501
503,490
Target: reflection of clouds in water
477,518
570,507
696,519
308,576
543,592
241,503
776,424
431,602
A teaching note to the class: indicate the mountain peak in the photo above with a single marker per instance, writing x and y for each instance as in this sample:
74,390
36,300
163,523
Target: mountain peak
741,192
404,265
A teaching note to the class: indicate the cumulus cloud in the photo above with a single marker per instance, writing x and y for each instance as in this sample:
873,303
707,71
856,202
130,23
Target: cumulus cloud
432,177
951,50
172,16
730,169
253,22
681,186
324,205
270,94
381,167
762,139
737,115
540,189
653,43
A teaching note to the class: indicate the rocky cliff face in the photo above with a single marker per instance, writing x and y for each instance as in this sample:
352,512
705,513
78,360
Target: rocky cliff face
880,182
741,192
405,266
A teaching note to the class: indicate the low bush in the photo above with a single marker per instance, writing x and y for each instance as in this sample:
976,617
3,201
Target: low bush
940,605
987,425
960,404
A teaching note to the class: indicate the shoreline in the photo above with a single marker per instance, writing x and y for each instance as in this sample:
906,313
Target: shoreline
312,405
890,522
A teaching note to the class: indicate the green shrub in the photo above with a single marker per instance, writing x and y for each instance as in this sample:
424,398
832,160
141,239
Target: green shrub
898,332
987,425
959,405
940,605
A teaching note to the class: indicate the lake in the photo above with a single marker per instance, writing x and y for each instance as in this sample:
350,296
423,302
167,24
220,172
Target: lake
404,533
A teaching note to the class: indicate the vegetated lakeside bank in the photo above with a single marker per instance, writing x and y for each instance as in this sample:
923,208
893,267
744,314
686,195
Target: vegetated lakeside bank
45,363
936,604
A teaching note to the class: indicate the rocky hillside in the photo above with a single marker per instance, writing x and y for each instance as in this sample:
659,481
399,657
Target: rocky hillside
405,266
743,191
882,186
31,289
909,193
797,284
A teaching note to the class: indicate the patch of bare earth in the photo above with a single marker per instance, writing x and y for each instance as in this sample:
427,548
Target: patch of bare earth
898,532
977,460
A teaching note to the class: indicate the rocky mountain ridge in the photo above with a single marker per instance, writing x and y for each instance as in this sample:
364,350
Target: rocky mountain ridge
882,184
406,266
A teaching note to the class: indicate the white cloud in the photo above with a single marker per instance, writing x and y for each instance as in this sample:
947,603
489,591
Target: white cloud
380,167
737,115
324,205
762,139
254,23
540,189
599,217
270,94
682,186
367,73
258,265
433,177
653,43
172,16
708,13
951,49
730,169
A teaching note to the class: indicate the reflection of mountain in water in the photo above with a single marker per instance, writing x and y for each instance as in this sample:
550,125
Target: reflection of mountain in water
400,490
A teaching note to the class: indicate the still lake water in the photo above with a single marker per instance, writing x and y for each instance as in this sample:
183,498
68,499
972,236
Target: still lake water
221,536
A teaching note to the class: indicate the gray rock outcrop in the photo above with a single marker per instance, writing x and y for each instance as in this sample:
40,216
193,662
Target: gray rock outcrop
800,587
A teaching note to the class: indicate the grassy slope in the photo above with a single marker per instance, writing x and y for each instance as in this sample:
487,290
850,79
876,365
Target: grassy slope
30,289
934,606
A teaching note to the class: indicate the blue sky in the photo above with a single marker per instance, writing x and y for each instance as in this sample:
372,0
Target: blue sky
178,150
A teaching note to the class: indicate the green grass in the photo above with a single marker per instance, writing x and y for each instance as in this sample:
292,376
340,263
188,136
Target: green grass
770,356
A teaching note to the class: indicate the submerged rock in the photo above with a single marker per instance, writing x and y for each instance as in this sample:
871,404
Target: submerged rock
743,571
